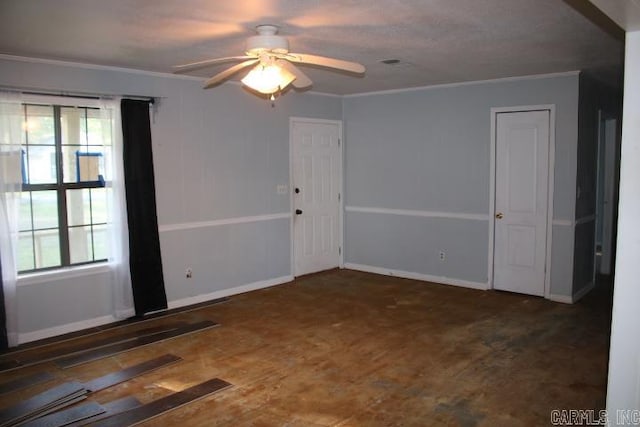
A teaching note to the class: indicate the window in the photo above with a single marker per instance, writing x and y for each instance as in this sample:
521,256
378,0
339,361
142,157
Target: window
63,210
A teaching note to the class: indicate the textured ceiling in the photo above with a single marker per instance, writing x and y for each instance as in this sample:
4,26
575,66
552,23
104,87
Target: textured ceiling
437,41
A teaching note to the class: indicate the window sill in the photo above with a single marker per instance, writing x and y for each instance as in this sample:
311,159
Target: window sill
63,273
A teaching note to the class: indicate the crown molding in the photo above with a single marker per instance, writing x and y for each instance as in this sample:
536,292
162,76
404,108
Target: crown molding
89,66
466,83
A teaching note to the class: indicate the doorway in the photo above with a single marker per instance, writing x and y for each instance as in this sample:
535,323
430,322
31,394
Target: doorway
316,197
606,192
522,199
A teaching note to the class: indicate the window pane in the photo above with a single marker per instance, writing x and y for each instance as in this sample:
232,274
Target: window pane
100,242
97,129
69,167
25,212
87,206
107,162
41,164
47,244
26,259
78,207
98,205
72,122
80,244
82,163
39,125
45,209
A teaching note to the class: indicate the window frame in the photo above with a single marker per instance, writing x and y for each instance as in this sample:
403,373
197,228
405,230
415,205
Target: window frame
60,187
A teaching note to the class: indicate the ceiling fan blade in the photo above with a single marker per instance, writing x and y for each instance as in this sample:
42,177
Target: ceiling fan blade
209,62
218,78
323,61
302,80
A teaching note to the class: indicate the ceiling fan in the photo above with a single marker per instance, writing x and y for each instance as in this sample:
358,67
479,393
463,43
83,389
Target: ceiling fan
274,67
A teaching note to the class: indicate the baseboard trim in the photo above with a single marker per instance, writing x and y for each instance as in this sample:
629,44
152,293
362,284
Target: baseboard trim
40,334
565,299
584,291
64,329
228,292
417,276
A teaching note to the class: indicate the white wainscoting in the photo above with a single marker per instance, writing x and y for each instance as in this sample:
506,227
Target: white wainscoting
418,213
103,320
103,269
226,221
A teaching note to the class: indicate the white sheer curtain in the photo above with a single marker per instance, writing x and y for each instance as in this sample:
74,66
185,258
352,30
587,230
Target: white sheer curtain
11,135
117,212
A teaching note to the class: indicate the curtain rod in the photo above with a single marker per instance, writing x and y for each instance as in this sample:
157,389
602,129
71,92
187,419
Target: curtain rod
70,94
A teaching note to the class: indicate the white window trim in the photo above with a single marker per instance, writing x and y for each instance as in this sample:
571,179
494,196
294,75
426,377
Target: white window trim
63,273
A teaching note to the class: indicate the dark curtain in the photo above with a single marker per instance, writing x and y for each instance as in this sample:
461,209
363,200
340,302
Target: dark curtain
3,316
144,242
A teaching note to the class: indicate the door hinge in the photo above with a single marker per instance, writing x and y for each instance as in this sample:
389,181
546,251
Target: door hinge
339,250
339,196
339,142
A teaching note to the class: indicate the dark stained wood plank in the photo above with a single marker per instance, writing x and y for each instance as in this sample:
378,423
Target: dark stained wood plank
25,382
68,416
112,408
92,386
104,342
164,404
7,365
34,359
40,402
56,406
126,374
107,351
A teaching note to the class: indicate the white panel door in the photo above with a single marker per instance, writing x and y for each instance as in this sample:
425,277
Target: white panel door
522,171
316,181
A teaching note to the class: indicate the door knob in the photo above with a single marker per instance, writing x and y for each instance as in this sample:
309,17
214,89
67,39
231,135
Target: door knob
297,190
298,211
499,215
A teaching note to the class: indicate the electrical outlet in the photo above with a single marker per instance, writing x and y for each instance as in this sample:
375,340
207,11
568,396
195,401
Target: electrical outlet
189,273
442,256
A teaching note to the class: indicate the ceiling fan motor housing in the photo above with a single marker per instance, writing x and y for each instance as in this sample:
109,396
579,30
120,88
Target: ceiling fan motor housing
267,40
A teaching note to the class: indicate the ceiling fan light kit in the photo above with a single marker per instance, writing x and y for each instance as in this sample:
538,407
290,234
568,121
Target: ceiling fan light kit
274,65
268,79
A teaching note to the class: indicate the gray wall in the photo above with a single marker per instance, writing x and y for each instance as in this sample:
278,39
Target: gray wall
428,150
218,154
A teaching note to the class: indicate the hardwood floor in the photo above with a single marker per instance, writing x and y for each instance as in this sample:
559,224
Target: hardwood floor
344,348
